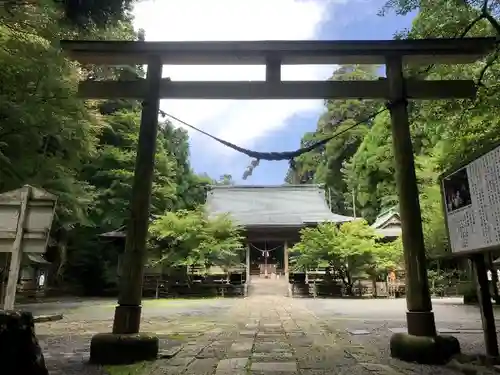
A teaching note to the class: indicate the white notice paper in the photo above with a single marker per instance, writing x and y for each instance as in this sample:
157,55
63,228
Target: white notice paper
472,198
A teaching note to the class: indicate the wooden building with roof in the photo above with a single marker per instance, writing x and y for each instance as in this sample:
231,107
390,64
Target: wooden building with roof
388,224
272,217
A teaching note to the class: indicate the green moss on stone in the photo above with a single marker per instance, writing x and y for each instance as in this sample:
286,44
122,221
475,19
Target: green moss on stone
140,368
422,349
117,349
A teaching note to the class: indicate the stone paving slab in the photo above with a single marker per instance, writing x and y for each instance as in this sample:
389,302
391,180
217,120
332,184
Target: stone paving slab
377,368
439,330
248,333
358,331
273,357
232,366
205,366
242,346
274,367
270,346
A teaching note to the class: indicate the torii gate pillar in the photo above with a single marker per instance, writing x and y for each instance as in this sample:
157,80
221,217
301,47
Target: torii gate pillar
128,312
420,318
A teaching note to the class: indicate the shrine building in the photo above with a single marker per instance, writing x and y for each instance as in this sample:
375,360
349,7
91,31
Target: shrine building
388,224
272,217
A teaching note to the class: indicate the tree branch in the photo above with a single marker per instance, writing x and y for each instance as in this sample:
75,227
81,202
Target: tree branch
491,60
471,25
493,22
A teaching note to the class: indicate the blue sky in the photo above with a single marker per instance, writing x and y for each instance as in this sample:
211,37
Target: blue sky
258,125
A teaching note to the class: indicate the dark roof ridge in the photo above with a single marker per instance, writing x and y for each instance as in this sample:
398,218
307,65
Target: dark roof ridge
302,186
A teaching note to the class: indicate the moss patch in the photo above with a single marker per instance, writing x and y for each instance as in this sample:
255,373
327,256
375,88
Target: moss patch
141,368
166,302
173,302
176,336
118,349
425,350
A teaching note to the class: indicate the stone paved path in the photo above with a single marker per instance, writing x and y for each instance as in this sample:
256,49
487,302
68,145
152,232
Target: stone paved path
268,334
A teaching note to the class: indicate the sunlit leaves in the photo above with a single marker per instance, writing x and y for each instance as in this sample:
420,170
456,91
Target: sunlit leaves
324,165
189,237
352,248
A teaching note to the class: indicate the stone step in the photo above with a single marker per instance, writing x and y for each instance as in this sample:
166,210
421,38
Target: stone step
268,287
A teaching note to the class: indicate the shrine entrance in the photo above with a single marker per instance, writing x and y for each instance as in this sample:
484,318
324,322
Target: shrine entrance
267,267
267,259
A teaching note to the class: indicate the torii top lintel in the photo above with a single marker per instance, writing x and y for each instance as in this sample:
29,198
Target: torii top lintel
302,52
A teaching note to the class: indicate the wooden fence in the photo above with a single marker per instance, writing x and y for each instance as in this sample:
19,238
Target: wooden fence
314,285
222,285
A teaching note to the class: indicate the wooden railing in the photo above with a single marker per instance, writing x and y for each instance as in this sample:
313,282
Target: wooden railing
317,284
194,286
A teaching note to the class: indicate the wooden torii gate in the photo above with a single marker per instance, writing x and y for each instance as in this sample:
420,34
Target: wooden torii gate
273,54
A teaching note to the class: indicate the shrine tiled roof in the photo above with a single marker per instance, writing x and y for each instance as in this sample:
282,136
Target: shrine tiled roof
385,216
388,223
285,205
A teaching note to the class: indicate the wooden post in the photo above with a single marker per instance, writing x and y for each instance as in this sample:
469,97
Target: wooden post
484,296
248,265
285,260
17,251
420,318
494,278
265,266
329,198
3,285
128,312
273,69
354,203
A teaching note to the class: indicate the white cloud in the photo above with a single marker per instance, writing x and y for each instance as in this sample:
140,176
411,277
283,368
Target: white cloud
240,122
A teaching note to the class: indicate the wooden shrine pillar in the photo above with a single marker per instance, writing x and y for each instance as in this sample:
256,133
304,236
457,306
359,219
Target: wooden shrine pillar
486,308
17,250
248,264
128,312
420,318
285,260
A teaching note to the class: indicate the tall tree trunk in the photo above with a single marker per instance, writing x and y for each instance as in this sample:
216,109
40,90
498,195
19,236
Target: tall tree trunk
55,275
348,283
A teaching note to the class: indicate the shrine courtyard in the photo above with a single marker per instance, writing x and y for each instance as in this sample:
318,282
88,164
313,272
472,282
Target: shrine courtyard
262,334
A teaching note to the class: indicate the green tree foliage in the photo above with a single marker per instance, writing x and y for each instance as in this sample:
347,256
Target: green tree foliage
189,238
225,179
44,130
444,132
82,151
94,12
110,171
350,251
370,171
324,165
388,256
